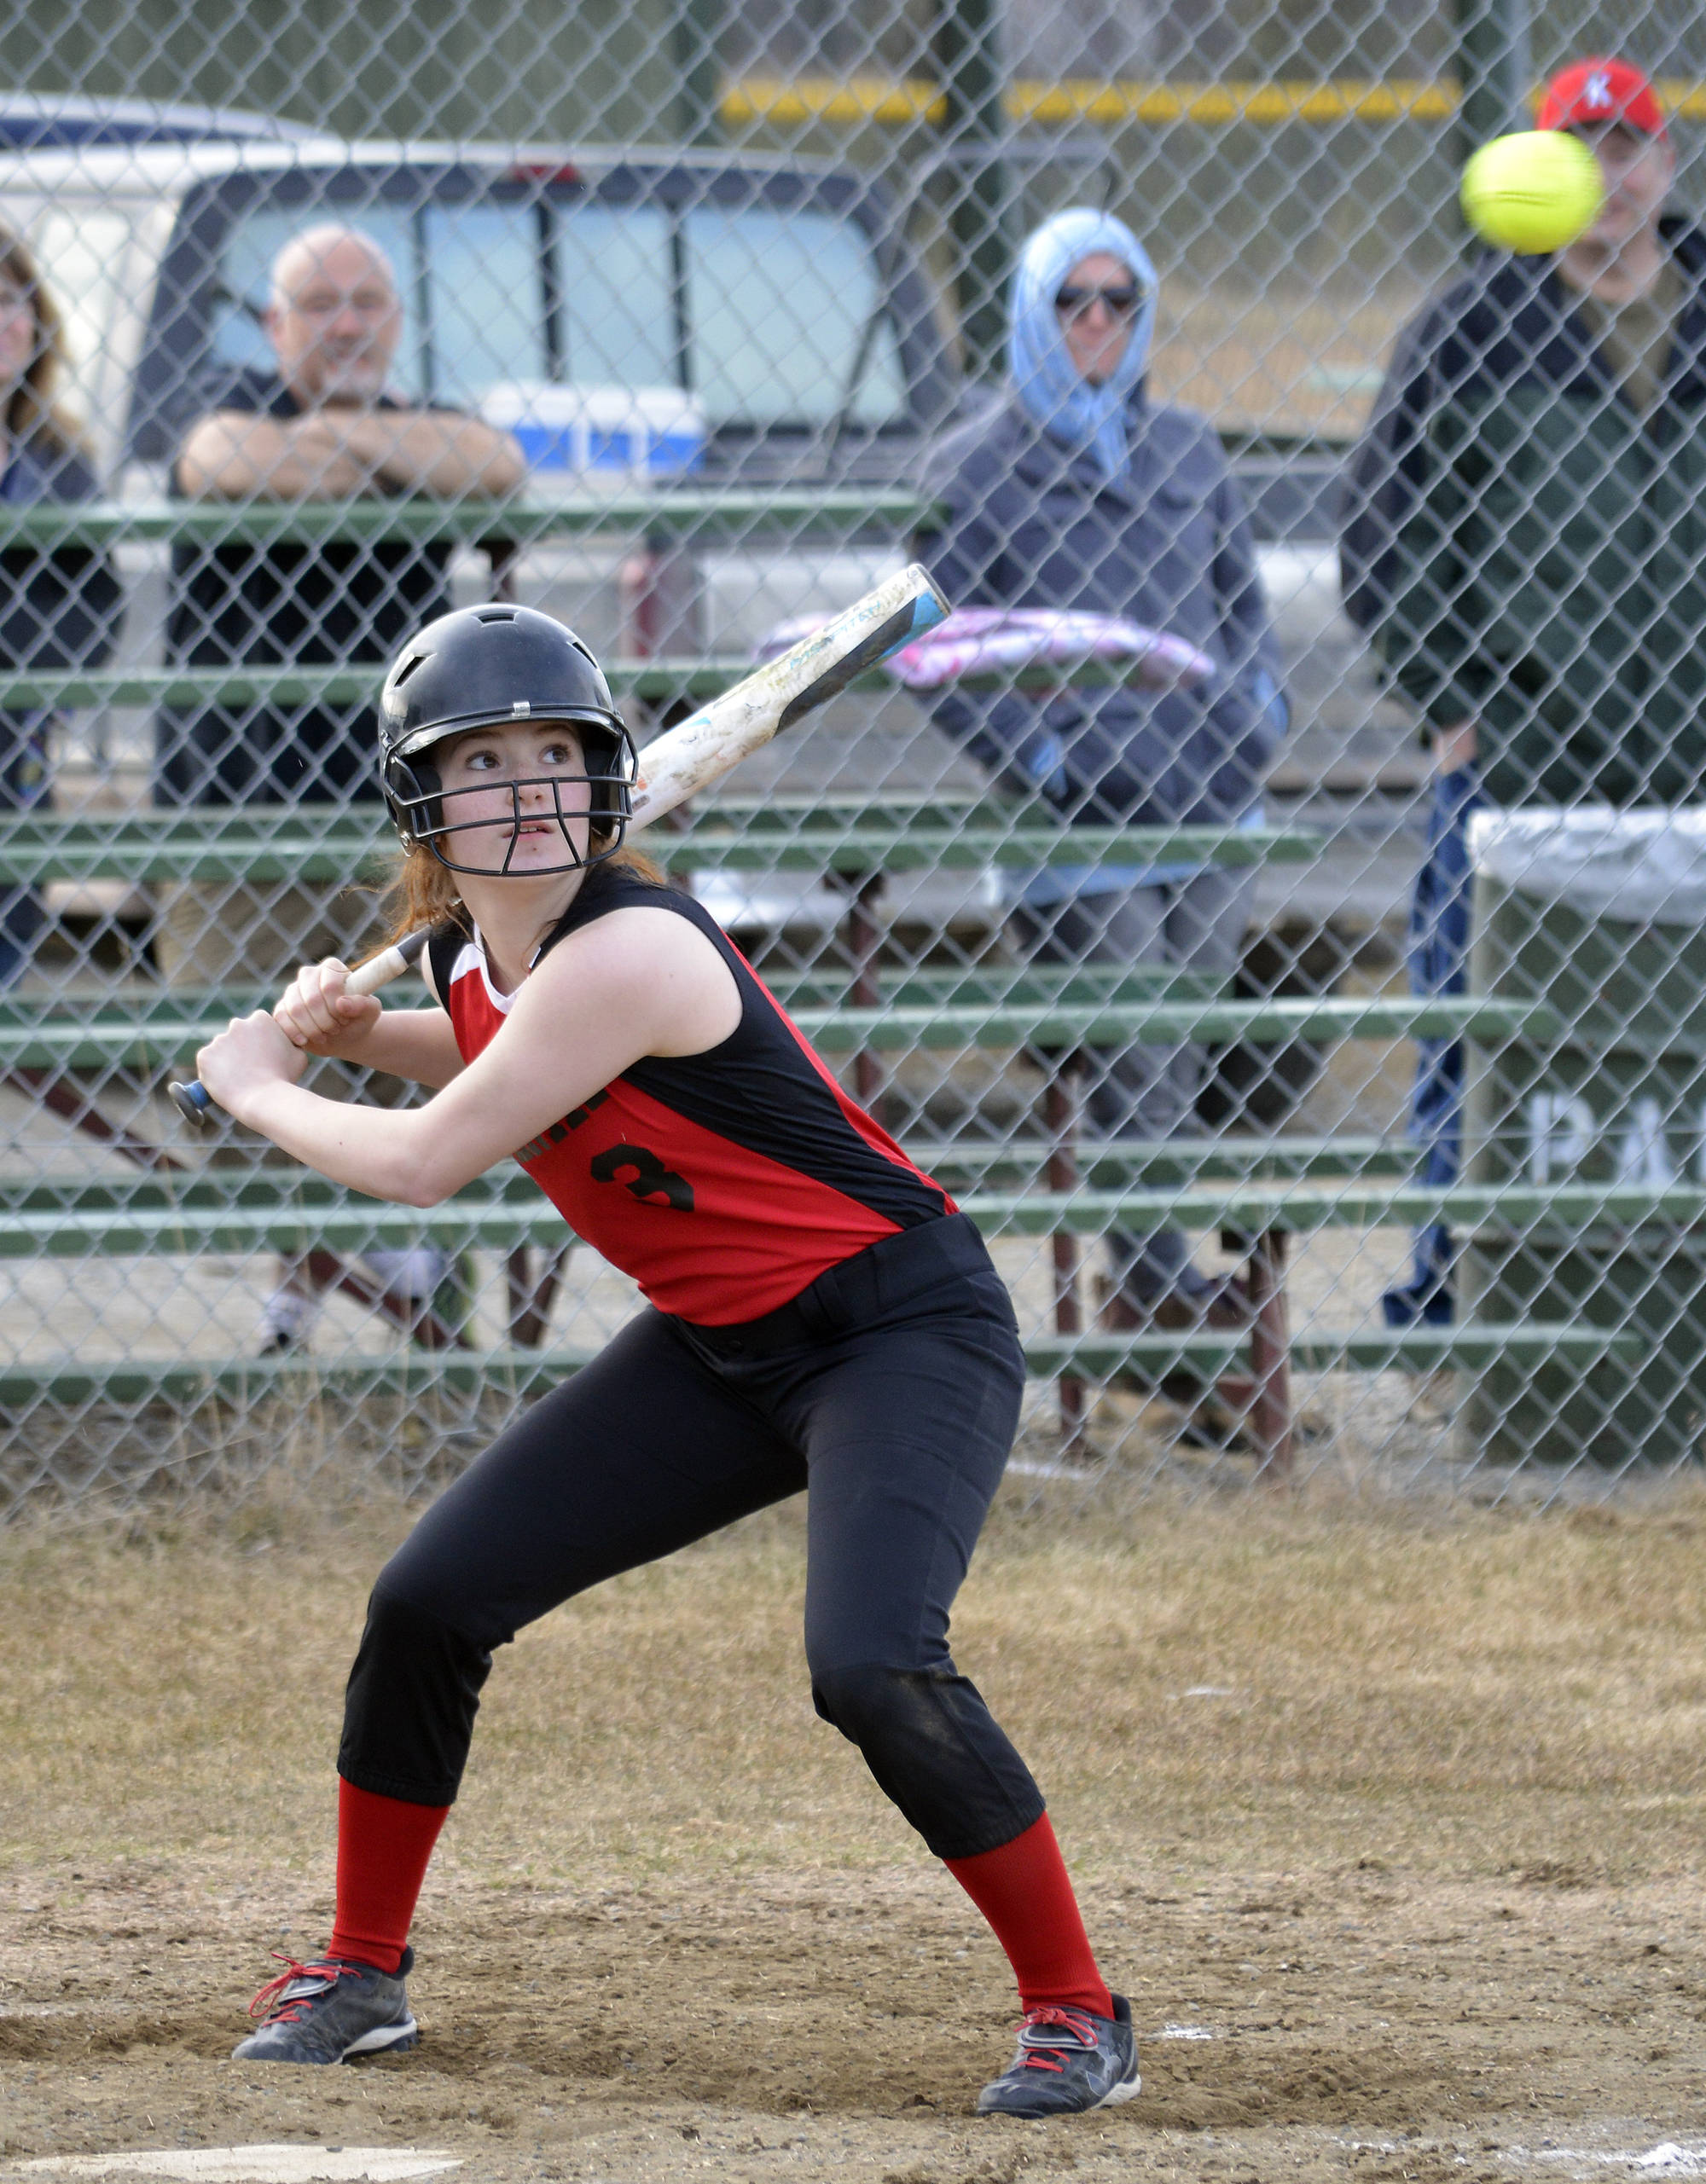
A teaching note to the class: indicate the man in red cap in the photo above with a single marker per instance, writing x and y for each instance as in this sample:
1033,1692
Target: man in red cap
1517,547
1598,93
1614,111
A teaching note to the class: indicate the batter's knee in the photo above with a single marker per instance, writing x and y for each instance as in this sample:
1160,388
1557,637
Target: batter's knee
411,1703
935,1751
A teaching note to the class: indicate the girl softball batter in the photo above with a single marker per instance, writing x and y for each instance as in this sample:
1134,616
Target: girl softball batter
819,1317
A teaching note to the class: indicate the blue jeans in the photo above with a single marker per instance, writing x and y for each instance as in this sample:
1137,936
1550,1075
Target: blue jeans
1439,969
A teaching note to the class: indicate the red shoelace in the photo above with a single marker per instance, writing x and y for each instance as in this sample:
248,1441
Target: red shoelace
1077,2022
272,1993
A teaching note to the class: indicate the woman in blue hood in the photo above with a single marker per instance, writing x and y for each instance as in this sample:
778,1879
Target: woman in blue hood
1078,491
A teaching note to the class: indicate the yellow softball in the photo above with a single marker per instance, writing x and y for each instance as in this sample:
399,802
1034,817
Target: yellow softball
1533,193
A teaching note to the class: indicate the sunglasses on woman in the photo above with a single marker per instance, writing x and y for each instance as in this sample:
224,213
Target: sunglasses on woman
1073,302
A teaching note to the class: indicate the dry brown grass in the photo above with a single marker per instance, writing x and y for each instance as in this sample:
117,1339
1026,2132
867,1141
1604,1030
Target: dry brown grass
1427,1866
1464,1690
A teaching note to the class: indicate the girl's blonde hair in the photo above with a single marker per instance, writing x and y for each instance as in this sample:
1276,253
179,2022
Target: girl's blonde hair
425,892
32,412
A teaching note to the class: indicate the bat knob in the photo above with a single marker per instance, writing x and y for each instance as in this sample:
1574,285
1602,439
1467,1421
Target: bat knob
194,1103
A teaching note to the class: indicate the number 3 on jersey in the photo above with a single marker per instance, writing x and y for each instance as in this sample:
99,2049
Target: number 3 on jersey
650,1179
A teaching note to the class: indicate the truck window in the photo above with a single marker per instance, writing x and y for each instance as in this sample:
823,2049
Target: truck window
780,305
613,276
487,298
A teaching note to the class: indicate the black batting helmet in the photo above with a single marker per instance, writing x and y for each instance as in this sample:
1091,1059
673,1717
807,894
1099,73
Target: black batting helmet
485,667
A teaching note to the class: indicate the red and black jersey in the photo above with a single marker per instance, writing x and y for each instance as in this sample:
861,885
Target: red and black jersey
726,1181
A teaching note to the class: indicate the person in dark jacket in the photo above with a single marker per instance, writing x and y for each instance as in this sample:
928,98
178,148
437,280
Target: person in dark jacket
1526,545
59,608
1076,491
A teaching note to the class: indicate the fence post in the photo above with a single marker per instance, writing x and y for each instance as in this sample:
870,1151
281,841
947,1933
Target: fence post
974,128
692,53
1494,70
1060,1114
865,892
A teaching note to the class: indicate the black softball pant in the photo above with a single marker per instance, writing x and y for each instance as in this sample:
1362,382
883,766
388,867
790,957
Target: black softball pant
888,1390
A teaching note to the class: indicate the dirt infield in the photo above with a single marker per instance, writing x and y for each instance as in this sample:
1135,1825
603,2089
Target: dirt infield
1387,1817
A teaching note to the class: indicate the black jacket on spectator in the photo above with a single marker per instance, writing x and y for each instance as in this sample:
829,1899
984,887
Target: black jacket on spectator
1030,523
1527,552
58,609
334,604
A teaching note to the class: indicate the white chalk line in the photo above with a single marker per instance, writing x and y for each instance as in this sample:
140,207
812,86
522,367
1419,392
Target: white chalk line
255,2164
1667,2158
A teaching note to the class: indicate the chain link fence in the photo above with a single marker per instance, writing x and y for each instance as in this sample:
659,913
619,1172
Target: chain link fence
684,325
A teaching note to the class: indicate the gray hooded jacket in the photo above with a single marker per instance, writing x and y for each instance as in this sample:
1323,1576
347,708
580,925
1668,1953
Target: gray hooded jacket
1028,524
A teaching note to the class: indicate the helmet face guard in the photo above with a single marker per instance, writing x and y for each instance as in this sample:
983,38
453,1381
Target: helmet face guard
497,667
423,811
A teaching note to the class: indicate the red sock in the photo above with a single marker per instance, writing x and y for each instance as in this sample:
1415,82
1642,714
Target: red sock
1024,1891
382,1846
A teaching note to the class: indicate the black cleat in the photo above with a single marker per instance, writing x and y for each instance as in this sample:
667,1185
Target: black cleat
1068,2061
327,2012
